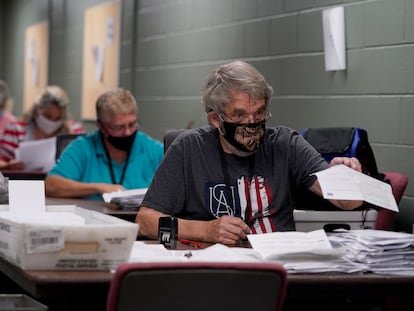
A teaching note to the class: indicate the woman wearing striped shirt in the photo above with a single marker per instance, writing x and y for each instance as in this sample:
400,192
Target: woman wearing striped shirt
47,118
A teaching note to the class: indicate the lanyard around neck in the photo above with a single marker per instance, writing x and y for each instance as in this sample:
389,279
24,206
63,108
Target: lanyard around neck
111,169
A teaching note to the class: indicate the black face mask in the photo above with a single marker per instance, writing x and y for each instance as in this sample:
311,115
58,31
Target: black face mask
124,142
245,137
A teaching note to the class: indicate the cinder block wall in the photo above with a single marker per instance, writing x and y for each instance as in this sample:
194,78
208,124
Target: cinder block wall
179,42
169,46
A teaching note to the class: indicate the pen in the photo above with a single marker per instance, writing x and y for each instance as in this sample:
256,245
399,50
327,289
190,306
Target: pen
191,243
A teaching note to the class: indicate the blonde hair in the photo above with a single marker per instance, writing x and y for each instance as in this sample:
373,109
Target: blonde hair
52,95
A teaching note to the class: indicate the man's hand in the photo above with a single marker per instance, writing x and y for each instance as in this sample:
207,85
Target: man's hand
350,162
227,230
343,204
15,165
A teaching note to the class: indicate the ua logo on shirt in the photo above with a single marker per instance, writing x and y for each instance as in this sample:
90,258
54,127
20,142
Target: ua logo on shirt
234,201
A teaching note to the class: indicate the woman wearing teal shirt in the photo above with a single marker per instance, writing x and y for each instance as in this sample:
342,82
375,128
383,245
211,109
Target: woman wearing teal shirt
114,157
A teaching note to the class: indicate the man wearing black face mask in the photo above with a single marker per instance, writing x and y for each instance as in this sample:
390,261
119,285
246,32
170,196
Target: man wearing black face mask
115,157
236,176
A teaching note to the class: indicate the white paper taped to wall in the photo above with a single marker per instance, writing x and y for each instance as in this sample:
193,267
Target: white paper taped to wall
334,38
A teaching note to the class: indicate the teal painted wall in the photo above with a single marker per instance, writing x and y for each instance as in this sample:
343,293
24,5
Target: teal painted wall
169,46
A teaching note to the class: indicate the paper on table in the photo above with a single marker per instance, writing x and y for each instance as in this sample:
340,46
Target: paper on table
27,196
309,252
340,182
382,251
284,244
125,193
37,155
142,252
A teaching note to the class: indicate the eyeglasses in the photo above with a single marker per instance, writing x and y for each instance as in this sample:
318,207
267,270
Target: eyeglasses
123,127
238,118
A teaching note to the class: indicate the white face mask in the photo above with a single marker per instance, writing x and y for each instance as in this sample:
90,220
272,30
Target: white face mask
48,126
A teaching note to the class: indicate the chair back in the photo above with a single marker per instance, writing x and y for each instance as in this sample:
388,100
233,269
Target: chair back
63,140
398,182
202,286
328,139
169,137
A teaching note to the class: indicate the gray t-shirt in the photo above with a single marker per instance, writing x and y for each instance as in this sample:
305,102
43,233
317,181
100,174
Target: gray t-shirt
191,180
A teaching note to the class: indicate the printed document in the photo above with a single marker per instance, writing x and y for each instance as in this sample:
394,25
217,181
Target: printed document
341,182
37,155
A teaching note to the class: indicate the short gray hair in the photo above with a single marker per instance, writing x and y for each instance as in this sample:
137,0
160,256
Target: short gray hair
237,76
115,101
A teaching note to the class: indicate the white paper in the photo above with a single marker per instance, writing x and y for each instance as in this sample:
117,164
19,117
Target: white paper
381,251
340,182
281,244
31,48
27,196
334,38
37,155
35,70
124,193
98,53
110,31
34,61
142,252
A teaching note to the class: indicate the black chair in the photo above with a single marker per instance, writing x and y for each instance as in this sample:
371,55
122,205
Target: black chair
329,142
169,137
201,286
63,140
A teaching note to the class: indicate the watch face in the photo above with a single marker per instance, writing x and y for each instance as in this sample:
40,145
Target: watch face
168,231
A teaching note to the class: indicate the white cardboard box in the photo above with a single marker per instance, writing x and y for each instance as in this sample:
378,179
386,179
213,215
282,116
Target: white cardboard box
102,243
309,220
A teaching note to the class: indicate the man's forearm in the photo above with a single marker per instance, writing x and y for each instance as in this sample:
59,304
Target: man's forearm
57,186
147,220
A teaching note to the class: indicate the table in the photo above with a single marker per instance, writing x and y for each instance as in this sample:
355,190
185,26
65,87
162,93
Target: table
87,290
24,174
98,206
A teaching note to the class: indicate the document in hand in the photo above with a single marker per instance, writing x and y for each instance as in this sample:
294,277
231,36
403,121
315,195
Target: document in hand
37,155
340,182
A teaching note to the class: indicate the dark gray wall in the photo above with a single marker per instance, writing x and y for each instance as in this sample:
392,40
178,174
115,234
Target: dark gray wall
18,15
1,37
169,46
180,41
